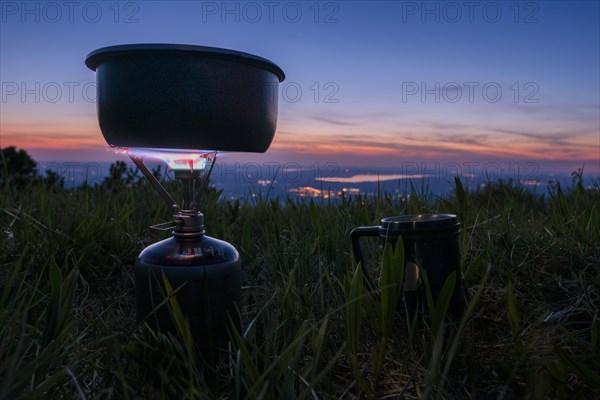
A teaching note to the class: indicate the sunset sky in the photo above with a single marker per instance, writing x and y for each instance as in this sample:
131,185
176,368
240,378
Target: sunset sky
367,83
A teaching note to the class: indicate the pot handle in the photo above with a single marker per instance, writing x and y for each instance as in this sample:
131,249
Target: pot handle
355,235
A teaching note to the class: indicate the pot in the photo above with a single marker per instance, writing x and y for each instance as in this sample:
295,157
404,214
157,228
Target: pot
185,97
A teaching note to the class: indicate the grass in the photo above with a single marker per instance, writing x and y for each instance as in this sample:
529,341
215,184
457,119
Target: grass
312,329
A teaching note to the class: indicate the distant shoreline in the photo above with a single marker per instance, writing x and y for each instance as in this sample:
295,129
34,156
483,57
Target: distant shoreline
238,180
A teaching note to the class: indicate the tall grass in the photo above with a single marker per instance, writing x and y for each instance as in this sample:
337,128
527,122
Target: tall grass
311,328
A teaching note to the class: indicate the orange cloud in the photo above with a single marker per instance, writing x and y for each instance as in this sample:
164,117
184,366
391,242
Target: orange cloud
347,142
440,144
50,136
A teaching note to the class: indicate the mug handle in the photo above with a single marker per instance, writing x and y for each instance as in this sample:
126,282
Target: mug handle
355,235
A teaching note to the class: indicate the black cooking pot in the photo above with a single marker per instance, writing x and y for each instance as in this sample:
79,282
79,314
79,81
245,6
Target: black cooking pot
185,97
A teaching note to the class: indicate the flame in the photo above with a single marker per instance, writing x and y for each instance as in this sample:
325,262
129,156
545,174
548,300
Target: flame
176,159
117,149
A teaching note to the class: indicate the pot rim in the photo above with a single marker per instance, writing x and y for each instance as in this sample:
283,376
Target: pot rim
97,56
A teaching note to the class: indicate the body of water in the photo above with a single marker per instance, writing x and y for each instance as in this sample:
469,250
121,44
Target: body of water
331,180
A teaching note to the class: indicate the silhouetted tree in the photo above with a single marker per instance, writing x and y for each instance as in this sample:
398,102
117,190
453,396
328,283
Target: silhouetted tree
120,176
16,167
53,180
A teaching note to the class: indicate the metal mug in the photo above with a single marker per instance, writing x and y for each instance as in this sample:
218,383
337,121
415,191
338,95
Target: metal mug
430,244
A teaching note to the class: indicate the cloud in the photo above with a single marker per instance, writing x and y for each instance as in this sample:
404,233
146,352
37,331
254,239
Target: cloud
576,112
51,139
471,139
334,120
448,126
437,143
563,140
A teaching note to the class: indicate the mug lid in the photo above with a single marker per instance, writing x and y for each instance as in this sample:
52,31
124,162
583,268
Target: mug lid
420,222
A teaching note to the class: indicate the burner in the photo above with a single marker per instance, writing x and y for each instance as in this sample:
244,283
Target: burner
167,102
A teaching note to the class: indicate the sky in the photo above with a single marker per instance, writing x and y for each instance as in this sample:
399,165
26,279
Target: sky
367,83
